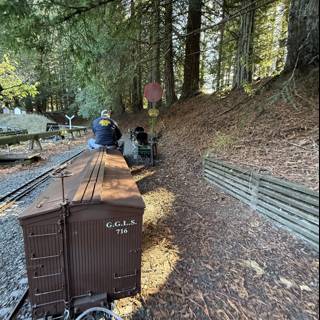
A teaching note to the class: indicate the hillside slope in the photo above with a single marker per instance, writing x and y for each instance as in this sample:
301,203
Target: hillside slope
260,129
205,254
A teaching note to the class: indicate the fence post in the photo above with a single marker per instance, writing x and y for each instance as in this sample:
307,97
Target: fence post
255,183
288,204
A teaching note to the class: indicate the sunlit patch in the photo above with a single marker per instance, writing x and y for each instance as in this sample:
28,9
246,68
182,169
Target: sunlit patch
158,205
138,176
158,261
160,256
6,206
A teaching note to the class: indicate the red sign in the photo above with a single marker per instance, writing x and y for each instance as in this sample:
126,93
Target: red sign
153,92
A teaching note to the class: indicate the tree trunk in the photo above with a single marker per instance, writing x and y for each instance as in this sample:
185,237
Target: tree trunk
155,72
303,37
137,103
169,78
220,58
118,101
191,85
228,80
281,54
51,102
244,58
155,42
203,64
140,87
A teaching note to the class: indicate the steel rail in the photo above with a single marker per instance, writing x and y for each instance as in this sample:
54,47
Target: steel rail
18,305
30,185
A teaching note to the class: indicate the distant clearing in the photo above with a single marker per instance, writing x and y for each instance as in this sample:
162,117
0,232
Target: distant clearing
32,122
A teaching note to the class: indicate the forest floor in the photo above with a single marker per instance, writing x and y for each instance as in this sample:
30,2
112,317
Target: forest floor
206,255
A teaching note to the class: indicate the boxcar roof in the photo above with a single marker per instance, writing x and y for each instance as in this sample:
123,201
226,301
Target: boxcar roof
97,177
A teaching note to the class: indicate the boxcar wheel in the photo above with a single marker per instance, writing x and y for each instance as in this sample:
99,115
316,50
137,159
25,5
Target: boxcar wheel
98,313
90,317
96,316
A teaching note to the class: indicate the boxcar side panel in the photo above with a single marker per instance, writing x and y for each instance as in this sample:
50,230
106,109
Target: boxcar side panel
105,251
45,264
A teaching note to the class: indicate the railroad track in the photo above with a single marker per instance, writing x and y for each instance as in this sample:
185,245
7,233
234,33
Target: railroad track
15,310
7,200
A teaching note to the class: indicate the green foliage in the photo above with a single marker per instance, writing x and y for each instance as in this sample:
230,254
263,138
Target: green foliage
75,48
271,27
270,42
248,89
90,101
85,53
12,86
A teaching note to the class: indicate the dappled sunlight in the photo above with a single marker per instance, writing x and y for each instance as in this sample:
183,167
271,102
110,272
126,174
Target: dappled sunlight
159,204
158,260
139,174
159,253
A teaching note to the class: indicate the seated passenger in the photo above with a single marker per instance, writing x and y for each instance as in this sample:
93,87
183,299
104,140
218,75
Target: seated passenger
142,138
106,132
138,130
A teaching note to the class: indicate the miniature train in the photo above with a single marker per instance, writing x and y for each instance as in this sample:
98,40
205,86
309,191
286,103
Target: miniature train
145,147
83,237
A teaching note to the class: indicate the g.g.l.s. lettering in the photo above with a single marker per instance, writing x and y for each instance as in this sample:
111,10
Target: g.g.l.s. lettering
120,224
121,227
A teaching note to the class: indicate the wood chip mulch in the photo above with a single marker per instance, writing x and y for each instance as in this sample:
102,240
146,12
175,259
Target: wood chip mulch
206,255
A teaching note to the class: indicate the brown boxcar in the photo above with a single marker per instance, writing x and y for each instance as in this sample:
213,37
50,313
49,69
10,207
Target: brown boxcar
85,251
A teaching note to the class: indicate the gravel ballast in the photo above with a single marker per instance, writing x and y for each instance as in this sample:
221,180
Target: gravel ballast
9,182
13,279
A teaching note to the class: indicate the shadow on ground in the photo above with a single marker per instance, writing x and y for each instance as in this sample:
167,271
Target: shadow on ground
206,256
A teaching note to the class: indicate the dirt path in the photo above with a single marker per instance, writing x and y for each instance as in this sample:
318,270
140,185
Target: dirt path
207,256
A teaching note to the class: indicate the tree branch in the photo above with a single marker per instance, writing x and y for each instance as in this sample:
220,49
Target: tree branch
15,86
81,10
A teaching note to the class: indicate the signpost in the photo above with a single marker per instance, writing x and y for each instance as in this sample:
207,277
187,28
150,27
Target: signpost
70,121
153,93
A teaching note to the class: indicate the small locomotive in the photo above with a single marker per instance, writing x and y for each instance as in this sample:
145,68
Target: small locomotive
144,146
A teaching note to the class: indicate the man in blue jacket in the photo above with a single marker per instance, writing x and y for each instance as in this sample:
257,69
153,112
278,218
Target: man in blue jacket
106,131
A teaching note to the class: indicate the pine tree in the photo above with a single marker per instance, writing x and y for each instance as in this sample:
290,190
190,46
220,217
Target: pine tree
303,38
169,77
244,58
191,83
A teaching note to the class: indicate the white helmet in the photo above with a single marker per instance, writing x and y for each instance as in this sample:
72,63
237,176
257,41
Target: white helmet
106,113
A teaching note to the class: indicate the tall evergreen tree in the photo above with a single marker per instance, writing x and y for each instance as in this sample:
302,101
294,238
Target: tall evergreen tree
244,57
303,38
220,52
137,102
169,77
191,83
155,41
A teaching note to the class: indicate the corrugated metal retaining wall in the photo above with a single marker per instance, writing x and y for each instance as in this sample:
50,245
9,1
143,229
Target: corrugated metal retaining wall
291,205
